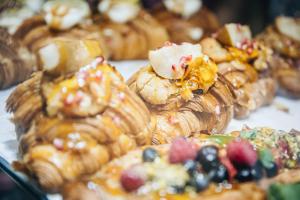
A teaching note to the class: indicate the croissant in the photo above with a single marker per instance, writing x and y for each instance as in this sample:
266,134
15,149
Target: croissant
184,22
70,124
16,62
245,66
199,101
133,39
283,38
148,173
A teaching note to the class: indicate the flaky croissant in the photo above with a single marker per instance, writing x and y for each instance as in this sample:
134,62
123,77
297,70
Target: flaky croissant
71,125
283,37
16,62
179,110
189,28
245,69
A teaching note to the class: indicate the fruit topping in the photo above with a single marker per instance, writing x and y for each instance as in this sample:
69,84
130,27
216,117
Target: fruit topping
271,170
199,181
169,61
244,175
191,166
149,154
208,157
133,178
241,153
230,168
219,174
181,150
257,171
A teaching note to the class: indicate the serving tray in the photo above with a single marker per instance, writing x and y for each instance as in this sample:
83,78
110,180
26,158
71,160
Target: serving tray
283,114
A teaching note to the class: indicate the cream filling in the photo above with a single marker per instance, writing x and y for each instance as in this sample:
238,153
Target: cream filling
62,15
119,11
186,8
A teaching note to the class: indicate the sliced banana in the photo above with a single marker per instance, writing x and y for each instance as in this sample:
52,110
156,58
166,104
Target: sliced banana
234,34
64,14
119,11
62,56
289,26
169,61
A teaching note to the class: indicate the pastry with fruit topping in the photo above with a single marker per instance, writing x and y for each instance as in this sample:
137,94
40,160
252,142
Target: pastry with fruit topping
284,38
185,20
183,91
207,167
72,121
16,62
245,67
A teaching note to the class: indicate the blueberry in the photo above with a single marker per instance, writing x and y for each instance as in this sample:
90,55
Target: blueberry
219,174
178,189
257,171
190,166
149,154
207,156
199,181
244,175
272,170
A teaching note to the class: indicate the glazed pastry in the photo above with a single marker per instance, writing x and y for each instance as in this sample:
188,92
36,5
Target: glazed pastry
245,66
71,124
129,31
284,38
183,91
73,22
185,20
212,167
16,62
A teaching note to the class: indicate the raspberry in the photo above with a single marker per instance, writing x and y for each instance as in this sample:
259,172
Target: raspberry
241,153
230,168
133,178
181,150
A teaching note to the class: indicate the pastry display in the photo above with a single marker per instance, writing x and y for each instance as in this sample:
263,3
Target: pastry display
184,92
241,165
284,38
185,20
16,62
70,124
244,65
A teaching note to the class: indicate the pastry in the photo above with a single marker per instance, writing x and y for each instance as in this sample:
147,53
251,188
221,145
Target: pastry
209,167
244,65
183,91
71,122
284,38
129,31
16,62
185,20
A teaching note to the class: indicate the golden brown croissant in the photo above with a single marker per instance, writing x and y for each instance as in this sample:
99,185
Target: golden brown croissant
16,62
71,125
200,102
245,69
177,171
189,28
283,38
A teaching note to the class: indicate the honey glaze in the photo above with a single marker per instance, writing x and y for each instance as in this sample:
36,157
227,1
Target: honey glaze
87,92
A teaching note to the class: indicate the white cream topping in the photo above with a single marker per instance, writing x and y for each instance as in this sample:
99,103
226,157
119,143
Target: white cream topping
64,14
119,11
186,8
169,61
195,33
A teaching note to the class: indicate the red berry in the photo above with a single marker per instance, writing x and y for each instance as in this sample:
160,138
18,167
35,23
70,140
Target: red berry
230,168
181,150
241,153
133,178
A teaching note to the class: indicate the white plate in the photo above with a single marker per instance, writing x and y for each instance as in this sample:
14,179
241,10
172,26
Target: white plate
267,116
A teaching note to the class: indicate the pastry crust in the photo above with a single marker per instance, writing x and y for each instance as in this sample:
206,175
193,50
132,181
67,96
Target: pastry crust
71,128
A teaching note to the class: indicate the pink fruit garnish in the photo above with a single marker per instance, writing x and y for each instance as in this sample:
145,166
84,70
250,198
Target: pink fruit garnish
181,150
133,178
241,153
